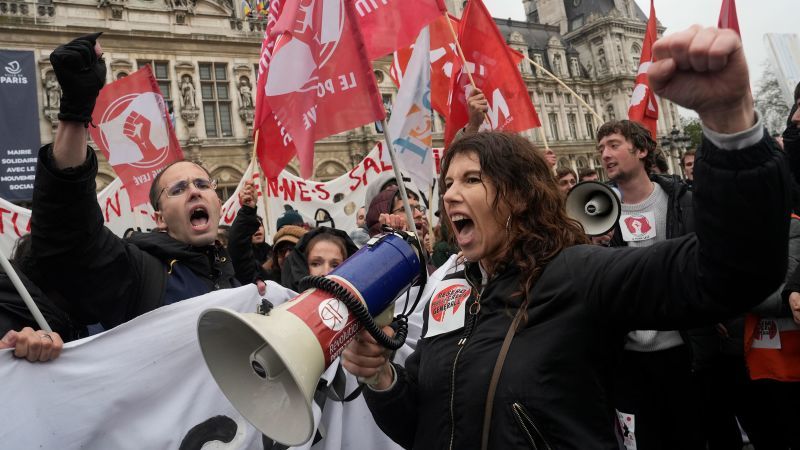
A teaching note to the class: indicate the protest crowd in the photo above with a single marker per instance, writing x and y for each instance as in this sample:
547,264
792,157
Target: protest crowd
676,328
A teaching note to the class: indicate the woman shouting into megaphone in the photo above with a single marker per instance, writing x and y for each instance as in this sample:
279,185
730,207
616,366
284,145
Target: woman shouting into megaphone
517,348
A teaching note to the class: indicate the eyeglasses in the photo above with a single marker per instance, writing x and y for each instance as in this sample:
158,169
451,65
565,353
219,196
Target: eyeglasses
178,188
420,208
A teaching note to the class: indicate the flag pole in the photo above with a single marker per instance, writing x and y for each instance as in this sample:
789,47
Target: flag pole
544,138
401,187
26,297
262,185
465,66
574,94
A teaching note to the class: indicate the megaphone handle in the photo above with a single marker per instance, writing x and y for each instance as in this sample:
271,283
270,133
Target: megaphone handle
382,319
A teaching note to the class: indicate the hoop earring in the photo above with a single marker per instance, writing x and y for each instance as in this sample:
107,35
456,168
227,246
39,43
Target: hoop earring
508,224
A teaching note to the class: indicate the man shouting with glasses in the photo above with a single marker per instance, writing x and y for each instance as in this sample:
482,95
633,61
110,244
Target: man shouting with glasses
104,278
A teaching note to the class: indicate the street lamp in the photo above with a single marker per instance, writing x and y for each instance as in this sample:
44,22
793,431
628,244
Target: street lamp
674,145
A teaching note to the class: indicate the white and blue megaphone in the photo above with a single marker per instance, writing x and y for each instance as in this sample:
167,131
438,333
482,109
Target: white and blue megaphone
269,364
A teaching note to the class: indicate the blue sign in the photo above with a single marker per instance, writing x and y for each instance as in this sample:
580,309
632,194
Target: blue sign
19,126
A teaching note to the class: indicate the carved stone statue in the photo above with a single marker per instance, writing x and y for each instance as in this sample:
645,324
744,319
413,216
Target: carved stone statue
53,91
187,92
576,70
245,93
557,65
182,4
601,60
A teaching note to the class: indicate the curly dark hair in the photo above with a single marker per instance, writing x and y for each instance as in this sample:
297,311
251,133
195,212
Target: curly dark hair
636,134
539,228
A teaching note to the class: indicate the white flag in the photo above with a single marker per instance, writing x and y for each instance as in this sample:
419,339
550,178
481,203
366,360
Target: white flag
411,123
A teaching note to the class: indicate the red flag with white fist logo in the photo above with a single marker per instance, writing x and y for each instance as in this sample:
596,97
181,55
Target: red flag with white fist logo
134,131
320,81
644,102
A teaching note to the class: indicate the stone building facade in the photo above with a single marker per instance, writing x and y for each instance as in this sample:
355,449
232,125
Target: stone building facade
204,54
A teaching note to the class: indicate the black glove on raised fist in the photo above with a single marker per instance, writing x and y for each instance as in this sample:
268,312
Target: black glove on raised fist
81,74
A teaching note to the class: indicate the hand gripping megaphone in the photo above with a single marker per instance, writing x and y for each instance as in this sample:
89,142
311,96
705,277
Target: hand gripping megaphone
595,205
269,364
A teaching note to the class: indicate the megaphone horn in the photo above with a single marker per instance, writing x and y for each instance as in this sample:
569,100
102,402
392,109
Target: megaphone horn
595,205
269,364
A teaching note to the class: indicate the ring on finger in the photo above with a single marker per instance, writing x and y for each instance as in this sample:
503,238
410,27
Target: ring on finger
47,336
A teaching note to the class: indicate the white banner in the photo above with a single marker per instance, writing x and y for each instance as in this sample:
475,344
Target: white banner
115,206
142,384
340,197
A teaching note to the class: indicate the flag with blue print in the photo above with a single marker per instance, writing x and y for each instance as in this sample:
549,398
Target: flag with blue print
411,123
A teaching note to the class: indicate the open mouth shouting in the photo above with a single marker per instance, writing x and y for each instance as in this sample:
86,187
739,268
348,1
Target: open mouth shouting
464,227
198,217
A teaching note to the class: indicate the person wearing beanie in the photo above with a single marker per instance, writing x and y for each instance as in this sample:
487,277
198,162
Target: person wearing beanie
290,217
390,202
282,243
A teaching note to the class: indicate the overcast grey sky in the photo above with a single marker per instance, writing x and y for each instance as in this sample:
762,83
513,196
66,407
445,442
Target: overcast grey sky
756,17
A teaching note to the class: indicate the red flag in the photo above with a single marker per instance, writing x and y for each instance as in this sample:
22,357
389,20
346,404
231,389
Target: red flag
320,81
644,102
728,17
394,25
495,72
274,148
444,63
134,131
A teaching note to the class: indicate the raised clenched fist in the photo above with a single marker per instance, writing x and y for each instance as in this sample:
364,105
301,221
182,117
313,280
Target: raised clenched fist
81,72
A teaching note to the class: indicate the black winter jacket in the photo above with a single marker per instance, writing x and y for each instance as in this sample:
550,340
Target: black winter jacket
553,389
243,255
104,277
15,315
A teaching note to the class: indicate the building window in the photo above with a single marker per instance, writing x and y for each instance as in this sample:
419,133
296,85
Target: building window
161,72
568,98
589,124
548,97
586,98
572,122
214,86
224,191
553,119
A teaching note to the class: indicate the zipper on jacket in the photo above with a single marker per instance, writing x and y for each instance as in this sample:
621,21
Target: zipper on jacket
472,319
527,425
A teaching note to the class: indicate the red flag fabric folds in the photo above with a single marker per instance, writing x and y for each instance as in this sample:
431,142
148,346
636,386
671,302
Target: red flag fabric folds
495,72
395,24
320,81
134,131
644,102
274,146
